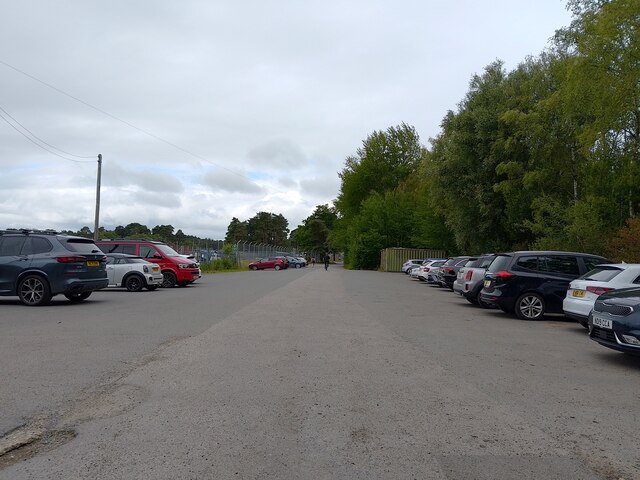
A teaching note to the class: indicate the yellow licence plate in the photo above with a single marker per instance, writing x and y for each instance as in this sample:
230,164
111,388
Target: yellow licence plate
93,263
578,293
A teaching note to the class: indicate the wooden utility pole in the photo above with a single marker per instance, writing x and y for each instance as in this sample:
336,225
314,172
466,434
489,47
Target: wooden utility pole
95,228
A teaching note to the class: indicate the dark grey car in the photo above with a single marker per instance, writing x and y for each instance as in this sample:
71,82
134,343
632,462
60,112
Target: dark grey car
35,266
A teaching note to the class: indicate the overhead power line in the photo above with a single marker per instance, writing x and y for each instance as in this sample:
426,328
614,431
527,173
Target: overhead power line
33,138
97,109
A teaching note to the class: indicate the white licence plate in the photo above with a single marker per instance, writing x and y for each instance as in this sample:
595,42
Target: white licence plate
601,322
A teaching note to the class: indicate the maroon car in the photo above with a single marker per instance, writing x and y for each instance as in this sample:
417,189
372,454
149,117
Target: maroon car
277,263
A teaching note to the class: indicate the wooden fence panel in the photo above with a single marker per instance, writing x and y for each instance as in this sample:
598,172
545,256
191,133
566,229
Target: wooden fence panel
391,259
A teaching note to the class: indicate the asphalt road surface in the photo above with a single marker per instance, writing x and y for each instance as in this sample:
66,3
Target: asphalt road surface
309,374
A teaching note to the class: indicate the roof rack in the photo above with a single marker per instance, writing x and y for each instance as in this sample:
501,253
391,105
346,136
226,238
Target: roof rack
27,231
129,240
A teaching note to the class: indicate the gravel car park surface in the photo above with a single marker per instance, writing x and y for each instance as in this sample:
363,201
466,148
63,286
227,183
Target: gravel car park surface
354,375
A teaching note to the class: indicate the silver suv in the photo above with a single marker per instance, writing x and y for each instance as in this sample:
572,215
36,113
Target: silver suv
37,265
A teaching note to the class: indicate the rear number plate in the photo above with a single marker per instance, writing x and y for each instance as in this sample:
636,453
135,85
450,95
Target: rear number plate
93,263
602,322
578,293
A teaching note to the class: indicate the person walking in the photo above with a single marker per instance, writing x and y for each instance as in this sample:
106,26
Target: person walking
326,261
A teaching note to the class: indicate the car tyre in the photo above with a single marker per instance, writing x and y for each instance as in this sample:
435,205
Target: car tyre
169,279
134,283
34,291
298,265
77,297
530,306
254,268
277,267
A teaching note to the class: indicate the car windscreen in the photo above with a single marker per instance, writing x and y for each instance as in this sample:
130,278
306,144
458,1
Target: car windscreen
501,262
80,245
602,274
167,250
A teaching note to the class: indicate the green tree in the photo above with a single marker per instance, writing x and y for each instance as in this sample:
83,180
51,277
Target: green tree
236,231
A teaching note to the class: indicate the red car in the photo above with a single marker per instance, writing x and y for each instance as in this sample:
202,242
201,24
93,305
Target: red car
276,263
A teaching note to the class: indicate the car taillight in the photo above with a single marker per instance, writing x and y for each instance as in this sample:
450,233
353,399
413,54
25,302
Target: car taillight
598,290
503,274
71,259
447,270
469,275
425,269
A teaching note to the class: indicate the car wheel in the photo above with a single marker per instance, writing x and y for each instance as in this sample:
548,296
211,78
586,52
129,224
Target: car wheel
277,267
169,279
77,297
530,306
298,265
34,291
134,283
254,268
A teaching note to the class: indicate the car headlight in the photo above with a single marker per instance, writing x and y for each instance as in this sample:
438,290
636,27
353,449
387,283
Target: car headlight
185,265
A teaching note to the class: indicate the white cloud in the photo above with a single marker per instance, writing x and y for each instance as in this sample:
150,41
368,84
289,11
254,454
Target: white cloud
280,95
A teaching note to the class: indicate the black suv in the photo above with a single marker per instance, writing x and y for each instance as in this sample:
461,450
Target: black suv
36,265
531,283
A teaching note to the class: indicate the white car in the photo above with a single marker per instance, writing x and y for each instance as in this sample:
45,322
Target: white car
409,264
422,272
133,273
584,290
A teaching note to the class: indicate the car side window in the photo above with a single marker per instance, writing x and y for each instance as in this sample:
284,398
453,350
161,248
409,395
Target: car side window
591,263
34,245
526,264
11,246
146,251
560,264
637,280
111,260
129,249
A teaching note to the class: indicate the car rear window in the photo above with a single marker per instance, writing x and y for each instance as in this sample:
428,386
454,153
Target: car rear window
484,262
602,274
473,263
500,263
80,245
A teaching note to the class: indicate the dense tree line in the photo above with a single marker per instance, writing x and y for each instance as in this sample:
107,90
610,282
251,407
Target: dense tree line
544,156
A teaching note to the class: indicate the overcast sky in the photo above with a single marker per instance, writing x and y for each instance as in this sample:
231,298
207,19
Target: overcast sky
205,110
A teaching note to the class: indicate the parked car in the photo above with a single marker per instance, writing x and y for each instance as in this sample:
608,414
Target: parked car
176,269
295,262
584,290
470,279
409,264
277,263
431,272
531,283
133,273
422,272
36,266
449,270
614,321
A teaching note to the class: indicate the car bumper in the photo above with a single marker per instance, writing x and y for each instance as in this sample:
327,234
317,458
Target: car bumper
577,309
84,285
498,299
